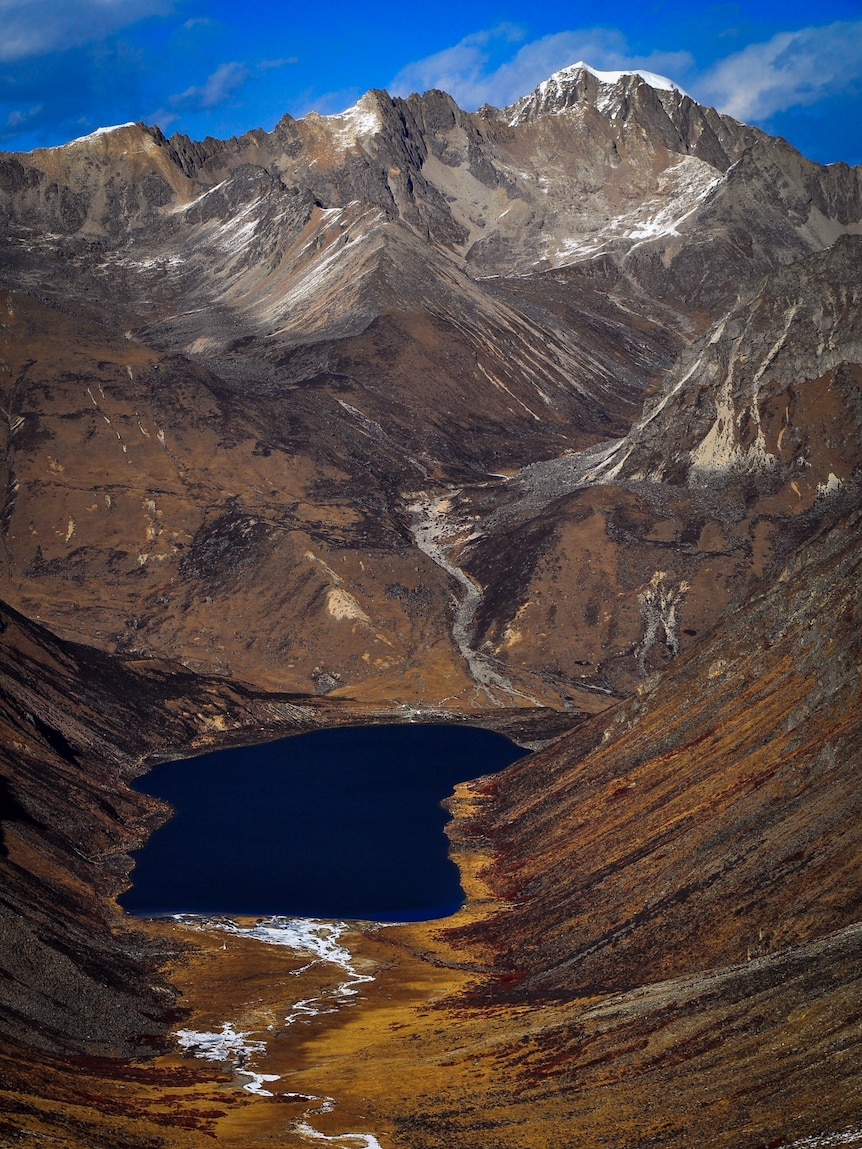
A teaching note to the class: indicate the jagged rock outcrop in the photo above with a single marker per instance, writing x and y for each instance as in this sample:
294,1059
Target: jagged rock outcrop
753,441
770,395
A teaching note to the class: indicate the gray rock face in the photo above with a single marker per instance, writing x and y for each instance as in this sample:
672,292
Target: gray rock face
754,397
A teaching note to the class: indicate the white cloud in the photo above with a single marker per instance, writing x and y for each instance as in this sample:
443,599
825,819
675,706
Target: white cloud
215,89
462,70
16,120
792,69
465,70
266,65
32,27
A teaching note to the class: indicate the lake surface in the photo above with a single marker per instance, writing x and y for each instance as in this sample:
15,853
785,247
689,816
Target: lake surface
343,823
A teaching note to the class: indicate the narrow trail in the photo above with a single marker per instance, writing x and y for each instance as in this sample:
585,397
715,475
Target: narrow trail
435,535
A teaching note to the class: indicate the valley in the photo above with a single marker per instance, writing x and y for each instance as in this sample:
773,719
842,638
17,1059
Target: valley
544,419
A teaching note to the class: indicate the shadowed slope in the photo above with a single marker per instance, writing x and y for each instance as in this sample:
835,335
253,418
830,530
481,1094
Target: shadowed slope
76,726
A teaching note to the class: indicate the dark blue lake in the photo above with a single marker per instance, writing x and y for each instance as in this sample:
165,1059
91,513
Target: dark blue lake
343,823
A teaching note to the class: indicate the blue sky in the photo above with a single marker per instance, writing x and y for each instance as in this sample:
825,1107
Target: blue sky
212,67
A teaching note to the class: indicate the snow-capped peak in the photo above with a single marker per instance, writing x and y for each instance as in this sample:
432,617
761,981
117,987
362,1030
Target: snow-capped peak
662,83
575,83
357,123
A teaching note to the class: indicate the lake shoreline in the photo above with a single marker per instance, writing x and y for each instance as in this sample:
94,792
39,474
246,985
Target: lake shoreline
337,824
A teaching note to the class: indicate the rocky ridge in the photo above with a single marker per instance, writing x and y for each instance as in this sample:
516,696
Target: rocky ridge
399,303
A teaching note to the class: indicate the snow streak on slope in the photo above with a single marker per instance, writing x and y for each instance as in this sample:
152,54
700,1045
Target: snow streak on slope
680,190
106,131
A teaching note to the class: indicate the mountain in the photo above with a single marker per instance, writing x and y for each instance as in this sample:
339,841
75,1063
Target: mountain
546,417
355,317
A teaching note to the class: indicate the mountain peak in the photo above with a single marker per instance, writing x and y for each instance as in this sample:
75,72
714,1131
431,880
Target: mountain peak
581,82
134,136
359,122
103,132
662,83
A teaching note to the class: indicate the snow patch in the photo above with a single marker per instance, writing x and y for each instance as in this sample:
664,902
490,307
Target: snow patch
340,1140
681,189
832,484
316,937
231,1046
320,940
661,83
159,263
99,132
360,122
849,1136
